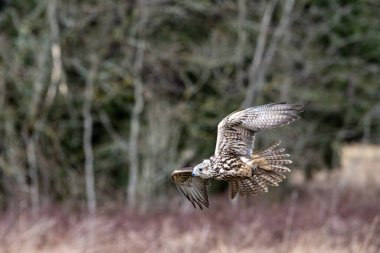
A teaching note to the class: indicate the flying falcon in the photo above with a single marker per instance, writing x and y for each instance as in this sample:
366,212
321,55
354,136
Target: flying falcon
234,161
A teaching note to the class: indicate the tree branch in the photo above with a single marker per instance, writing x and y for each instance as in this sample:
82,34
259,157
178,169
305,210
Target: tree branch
259,52
262,58
123,144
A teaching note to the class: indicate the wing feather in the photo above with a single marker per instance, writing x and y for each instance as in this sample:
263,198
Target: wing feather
269,166
233,185
194,188
236,132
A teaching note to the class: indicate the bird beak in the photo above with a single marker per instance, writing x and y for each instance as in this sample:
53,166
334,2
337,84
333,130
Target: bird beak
193,174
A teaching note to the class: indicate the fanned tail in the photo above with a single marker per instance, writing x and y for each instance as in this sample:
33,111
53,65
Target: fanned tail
268,167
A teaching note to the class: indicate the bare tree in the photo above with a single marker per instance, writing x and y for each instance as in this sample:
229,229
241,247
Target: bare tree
264,54
133,143
169,71
160,152
137,107
87,136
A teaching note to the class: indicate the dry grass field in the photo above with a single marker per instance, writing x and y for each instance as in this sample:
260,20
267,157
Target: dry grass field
331,214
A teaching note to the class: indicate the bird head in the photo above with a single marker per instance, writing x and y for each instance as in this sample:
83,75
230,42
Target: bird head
202,170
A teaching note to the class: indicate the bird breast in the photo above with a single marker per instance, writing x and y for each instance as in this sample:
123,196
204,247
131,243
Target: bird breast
230,167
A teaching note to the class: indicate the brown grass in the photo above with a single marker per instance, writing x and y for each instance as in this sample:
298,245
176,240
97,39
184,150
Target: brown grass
322,216
306,222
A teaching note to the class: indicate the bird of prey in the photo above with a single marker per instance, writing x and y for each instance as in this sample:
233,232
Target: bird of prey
234,161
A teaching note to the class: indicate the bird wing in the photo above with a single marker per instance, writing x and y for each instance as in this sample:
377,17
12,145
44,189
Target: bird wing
270,167
194,188
236,132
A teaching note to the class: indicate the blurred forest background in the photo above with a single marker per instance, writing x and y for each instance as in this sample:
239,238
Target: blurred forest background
101,100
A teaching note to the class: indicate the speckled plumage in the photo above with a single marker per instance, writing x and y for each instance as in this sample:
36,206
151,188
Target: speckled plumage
234,161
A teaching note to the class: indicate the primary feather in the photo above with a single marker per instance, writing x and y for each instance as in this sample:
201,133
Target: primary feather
194,188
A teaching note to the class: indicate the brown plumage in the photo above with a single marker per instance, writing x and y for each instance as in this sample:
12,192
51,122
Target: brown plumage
234,161
270,167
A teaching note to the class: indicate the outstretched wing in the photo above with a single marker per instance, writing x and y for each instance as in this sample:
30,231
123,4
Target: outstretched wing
194,188
236,132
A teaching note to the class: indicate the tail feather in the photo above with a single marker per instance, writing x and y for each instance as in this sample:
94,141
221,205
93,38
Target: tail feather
270,180
248,186
269,149
276,175
277,157
268,167
260,182
279,169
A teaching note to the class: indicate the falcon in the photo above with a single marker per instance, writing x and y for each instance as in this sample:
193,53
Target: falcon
234,161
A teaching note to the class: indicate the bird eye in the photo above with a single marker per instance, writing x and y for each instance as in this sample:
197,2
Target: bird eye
200,169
